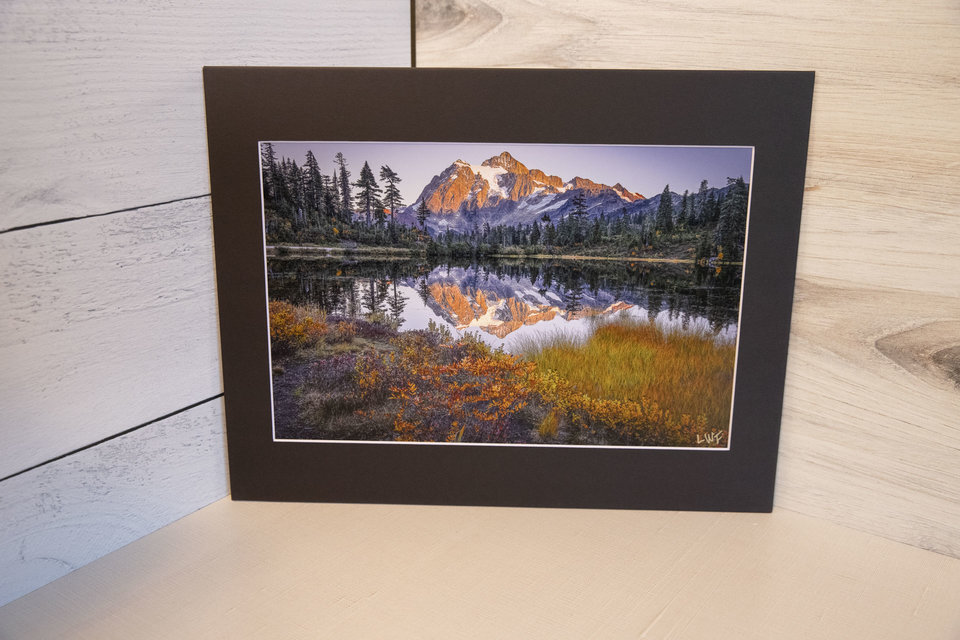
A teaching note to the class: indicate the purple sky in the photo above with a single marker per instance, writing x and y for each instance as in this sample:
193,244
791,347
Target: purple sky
643,169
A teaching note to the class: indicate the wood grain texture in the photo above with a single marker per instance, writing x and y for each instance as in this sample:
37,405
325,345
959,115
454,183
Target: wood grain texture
103,101
64,514
107,323
871,435
261,570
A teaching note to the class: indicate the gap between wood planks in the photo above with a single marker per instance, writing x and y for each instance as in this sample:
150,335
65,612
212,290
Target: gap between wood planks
116,435
413,33
100,215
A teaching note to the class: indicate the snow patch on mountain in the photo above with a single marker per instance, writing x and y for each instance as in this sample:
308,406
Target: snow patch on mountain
491,175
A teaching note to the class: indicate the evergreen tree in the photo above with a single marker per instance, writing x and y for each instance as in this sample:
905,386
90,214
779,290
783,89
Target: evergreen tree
535,233
281,192
331,197
313,183
620,226
665,211
368,192
577,216
344,178
268,168
391,193
379,211
684,204
712,209
565,231
293,184
596,235
732,225
700,206
703,248
423,212
579,205
550,234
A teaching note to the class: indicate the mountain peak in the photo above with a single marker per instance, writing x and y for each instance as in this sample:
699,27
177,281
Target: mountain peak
626,194
584,183
503,186
505,161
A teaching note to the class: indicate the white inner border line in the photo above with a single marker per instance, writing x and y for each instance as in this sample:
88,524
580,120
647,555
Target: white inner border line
736,359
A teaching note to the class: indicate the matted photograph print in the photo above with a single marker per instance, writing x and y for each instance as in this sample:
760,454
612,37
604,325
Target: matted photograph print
504,294
571,290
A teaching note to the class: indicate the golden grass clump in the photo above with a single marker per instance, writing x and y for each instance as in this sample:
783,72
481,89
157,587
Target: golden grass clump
626,361
549,426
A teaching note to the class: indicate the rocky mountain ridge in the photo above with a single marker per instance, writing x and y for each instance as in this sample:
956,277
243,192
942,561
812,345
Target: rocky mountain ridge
503,190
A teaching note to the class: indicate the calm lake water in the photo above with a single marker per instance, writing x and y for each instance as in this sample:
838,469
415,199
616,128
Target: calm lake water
506,302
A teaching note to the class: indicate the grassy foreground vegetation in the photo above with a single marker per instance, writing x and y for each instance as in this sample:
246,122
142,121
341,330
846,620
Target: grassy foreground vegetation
684,373
629,383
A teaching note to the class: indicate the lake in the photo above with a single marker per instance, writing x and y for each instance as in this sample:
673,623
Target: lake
506,302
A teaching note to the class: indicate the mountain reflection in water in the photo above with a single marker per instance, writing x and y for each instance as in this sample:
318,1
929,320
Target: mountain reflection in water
506,302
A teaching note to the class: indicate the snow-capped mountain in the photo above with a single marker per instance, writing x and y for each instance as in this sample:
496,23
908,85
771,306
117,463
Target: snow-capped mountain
502,190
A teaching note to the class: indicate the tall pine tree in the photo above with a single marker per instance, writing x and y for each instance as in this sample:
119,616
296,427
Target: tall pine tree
269,171
293,181
391,193
423,212
700,206
335,205
684,204
331,197
368,192
535,233
577,216
313,183
732,226
664,220
344,178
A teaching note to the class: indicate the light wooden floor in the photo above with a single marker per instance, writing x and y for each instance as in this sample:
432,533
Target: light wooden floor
260,570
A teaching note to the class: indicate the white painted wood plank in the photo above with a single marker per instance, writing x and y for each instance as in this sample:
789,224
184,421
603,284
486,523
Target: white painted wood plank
255,570
65,514
105,323
871,437
103,101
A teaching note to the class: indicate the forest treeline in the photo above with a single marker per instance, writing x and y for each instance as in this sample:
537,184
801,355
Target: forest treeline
304,206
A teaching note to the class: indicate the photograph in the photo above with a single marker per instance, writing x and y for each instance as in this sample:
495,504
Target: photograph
504,293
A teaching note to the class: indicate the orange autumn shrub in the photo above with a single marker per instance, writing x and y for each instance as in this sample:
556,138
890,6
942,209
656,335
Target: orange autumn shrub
473,399
293,327
345,331
433,389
